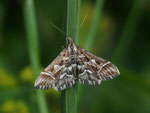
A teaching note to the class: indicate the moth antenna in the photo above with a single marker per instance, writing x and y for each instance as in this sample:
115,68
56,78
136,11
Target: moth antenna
58,29
80,27
83,20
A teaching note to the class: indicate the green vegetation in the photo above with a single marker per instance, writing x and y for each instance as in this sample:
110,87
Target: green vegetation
114,30
33,47
69,96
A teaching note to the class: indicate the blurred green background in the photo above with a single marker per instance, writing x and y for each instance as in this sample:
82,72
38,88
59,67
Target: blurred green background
121,37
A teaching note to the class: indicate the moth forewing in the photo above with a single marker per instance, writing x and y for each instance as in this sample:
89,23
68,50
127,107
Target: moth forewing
103,68
44,81
47,78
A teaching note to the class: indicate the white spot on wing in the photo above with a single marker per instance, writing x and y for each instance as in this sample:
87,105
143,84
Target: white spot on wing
70,68
56,88
99,81
83,73
73,81
89,71
94,82
81,56
64,86
111,77
62,76
45,73
65,69
65,58
74,65
61,88
70,84
102,65
75,49
79,67
90,82
79,80
57,68
93,60
71,76
82,81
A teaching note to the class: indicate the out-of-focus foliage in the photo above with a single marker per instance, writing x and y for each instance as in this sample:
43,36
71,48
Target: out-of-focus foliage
11,81
128,93
11,106
26,74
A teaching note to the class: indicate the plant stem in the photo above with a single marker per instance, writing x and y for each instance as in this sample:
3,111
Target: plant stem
32,38
78,23
77,41
69,96
71,18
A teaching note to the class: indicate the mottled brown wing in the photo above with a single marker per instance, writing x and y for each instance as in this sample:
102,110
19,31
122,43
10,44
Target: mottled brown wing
55,75
47,78
92,69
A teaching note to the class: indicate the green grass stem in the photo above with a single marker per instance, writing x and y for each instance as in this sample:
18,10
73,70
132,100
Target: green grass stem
77,41
33,47
78,22
69,96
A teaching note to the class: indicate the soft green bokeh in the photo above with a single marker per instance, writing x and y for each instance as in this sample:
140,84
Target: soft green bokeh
121,36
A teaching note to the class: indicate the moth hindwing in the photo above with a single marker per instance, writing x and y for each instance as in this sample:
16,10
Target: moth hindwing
75,64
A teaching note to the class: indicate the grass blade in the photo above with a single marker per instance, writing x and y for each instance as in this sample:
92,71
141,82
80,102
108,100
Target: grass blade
92,31
69,96
78,22
32,38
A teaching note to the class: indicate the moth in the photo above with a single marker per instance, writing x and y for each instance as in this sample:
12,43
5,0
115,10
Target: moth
72,65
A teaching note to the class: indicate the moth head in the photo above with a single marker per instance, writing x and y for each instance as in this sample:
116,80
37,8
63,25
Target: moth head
71,45
70,41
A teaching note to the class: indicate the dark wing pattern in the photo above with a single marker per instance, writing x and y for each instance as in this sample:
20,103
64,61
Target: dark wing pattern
92,69
56,75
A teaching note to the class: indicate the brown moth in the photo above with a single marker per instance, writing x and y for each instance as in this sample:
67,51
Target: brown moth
75,64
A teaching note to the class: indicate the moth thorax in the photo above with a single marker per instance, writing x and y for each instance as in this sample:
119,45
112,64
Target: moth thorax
72,48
